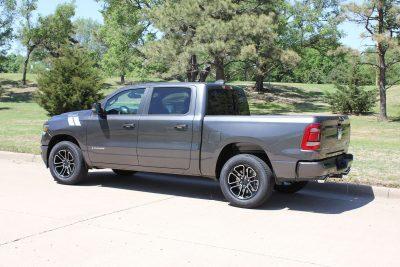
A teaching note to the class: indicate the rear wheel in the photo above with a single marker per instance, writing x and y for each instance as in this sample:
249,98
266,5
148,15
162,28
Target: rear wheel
246,181
66,163
290,187
123,172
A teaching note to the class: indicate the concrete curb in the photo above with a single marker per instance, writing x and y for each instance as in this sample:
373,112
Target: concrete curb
353,190
356,190
20,157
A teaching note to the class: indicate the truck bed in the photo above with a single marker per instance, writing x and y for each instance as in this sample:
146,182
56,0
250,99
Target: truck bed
279,135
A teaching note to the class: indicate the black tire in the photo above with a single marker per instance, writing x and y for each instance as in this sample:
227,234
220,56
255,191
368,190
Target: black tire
252,196
123,172
69,172
290,187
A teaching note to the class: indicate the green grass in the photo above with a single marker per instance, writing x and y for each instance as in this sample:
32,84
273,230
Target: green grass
20,126
375,145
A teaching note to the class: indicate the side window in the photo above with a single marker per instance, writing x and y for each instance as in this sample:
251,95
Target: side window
125,103
227,101
220,102
241,100
170,100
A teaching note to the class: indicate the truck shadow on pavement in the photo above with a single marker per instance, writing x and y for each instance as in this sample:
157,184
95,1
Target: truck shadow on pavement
327,198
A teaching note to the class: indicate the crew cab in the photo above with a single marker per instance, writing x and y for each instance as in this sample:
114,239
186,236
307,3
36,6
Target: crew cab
197,129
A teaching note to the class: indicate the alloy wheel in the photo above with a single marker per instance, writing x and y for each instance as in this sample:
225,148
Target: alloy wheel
243,182
64,163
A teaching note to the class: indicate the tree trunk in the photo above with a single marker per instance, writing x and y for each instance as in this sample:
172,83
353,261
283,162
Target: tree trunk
193,70
122,79
246,72
381,72
219,68
204,73
260,83
25,67
381,83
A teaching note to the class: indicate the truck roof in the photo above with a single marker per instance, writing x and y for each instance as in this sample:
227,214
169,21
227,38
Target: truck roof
151,84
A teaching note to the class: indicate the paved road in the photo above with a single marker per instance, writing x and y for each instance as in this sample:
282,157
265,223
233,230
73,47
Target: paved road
149,220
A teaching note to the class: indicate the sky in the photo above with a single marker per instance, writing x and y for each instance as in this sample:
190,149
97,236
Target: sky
90,9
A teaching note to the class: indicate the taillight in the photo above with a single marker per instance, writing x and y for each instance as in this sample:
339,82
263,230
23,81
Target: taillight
312,137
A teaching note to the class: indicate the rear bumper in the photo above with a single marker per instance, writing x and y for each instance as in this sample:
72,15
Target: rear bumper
331,167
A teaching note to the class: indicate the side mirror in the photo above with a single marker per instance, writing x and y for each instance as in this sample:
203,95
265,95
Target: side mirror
96,108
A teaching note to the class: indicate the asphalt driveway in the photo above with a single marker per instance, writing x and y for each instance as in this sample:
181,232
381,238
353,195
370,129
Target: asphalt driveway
149,219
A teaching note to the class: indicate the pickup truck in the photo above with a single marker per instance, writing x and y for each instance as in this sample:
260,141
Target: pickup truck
197,129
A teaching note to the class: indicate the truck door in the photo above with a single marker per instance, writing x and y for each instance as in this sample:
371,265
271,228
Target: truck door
166,129
113,138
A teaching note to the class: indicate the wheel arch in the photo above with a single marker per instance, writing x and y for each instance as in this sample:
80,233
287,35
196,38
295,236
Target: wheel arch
60,138
236,148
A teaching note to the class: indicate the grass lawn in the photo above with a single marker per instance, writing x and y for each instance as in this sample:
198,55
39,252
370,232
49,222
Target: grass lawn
375,145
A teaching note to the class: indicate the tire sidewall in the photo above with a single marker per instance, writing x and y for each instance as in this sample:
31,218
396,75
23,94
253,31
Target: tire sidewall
80,165
263,172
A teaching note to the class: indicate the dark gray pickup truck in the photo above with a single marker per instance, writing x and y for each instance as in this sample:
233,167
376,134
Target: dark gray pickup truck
197,129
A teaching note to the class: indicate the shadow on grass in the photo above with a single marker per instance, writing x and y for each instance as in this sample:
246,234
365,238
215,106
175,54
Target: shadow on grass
316,198
4,108
277,108
395,119
268,108
289,99
294,92
10,83
309,107
17,97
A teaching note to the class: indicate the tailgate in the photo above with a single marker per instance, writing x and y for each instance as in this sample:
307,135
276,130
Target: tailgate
335,135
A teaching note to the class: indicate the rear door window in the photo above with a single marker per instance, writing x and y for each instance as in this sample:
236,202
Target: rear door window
170,101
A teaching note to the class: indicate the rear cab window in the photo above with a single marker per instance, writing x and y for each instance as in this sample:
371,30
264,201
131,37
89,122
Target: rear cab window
226,100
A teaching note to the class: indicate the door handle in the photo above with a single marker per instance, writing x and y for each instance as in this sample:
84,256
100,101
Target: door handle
181,127
129,126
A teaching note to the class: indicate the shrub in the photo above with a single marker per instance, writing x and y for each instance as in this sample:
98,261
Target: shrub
71,83
351,99
1,91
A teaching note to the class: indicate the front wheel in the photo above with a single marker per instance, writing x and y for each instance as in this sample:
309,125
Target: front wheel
290,187
66,163
246,181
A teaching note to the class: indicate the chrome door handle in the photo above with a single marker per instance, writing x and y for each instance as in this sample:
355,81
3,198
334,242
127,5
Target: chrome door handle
129,126
181,127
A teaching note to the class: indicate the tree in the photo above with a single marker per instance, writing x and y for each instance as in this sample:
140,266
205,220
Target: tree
121,34
380,18
310,28
87,34
48,33
72,83
203,34
28,35
313,24
350,97
7,14
175,56
11,63
261,48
